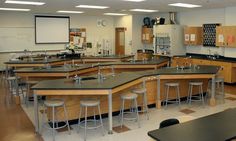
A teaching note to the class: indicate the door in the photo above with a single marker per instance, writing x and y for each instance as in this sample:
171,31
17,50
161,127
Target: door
120,41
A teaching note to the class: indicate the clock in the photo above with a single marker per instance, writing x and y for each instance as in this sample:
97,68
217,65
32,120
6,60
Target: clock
103,23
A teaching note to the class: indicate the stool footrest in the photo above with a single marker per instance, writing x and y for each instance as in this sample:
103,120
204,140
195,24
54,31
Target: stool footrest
98,124
64,122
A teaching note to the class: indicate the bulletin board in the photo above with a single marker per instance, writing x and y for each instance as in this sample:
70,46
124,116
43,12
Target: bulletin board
78,37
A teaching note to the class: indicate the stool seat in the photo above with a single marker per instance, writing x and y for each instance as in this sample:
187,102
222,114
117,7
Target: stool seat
11,78
89,103
196,83
172,84
218,80
32,82
129,96
54,103
139,90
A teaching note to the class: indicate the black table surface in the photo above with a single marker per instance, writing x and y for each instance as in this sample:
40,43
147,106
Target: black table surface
216,127
70,68
121,78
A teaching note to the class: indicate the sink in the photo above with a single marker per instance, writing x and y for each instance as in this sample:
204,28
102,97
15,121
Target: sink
88,78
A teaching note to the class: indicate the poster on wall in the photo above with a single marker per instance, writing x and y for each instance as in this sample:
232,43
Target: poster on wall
77,38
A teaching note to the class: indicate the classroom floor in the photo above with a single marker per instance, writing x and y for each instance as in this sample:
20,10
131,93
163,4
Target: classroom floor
16,121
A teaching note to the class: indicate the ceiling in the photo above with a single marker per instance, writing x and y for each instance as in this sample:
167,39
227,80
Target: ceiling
120,6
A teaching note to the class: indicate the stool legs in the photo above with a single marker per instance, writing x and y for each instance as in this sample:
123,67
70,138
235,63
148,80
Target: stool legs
54,120
190,93
178,95
122,113
66,118
53,123
136,107
100,116
145,104
86,119
167,95
201,91
167,90
133,109
85,124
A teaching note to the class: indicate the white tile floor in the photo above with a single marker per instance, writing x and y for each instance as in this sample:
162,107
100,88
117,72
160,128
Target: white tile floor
138,134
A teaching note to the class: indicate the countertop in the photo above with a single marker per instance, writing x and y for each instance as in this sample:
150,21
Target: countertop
120,79
205,57
52,60
69,68
35,61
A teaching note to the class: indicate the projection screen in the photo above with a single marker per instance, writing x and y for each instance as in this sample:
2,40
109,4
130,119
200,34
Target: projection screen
52,29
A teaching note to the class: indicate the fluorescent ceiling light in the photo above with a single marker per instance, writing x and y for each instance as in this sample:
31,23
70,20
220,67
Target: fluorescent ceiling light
24,2
115,14
186,5
76,12
92,6
143,10
135,0
14,9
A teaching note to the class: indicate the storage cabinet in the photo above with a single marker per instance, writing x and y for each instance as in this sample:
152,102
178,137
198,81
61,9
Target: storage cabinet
193,35
147,35
226,36
226,71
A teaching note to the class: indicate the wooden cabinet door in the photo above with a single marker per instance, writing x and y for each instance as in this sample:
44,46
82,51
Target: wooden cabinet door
187,35
230,35
196,35
220,36
193,35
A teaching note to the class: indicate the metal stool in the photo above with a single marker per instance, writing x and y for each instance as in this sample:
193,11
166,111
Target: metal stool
200,97
168,85
85,104
13,85
219,85
53,104
143,92
133,98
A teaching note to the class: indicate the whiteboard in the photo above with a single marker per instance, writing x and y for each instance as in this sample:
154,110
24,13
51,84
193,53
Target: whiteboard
51,29
16,38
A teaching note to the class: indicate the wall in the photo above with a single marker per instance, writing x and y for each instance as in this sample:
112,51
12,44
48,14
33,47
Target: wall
225,16
21,20
125,21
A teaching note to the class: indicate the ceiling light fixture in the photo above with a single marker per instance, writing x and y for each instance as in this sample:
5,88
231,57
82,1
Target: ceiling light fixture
14,9
115,14
92,6
143,10
74,12
135,0
24,2
186,5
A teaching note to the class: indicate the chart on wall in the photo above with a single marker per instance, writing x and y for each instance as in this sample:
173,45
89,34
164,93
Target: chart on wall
78,37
